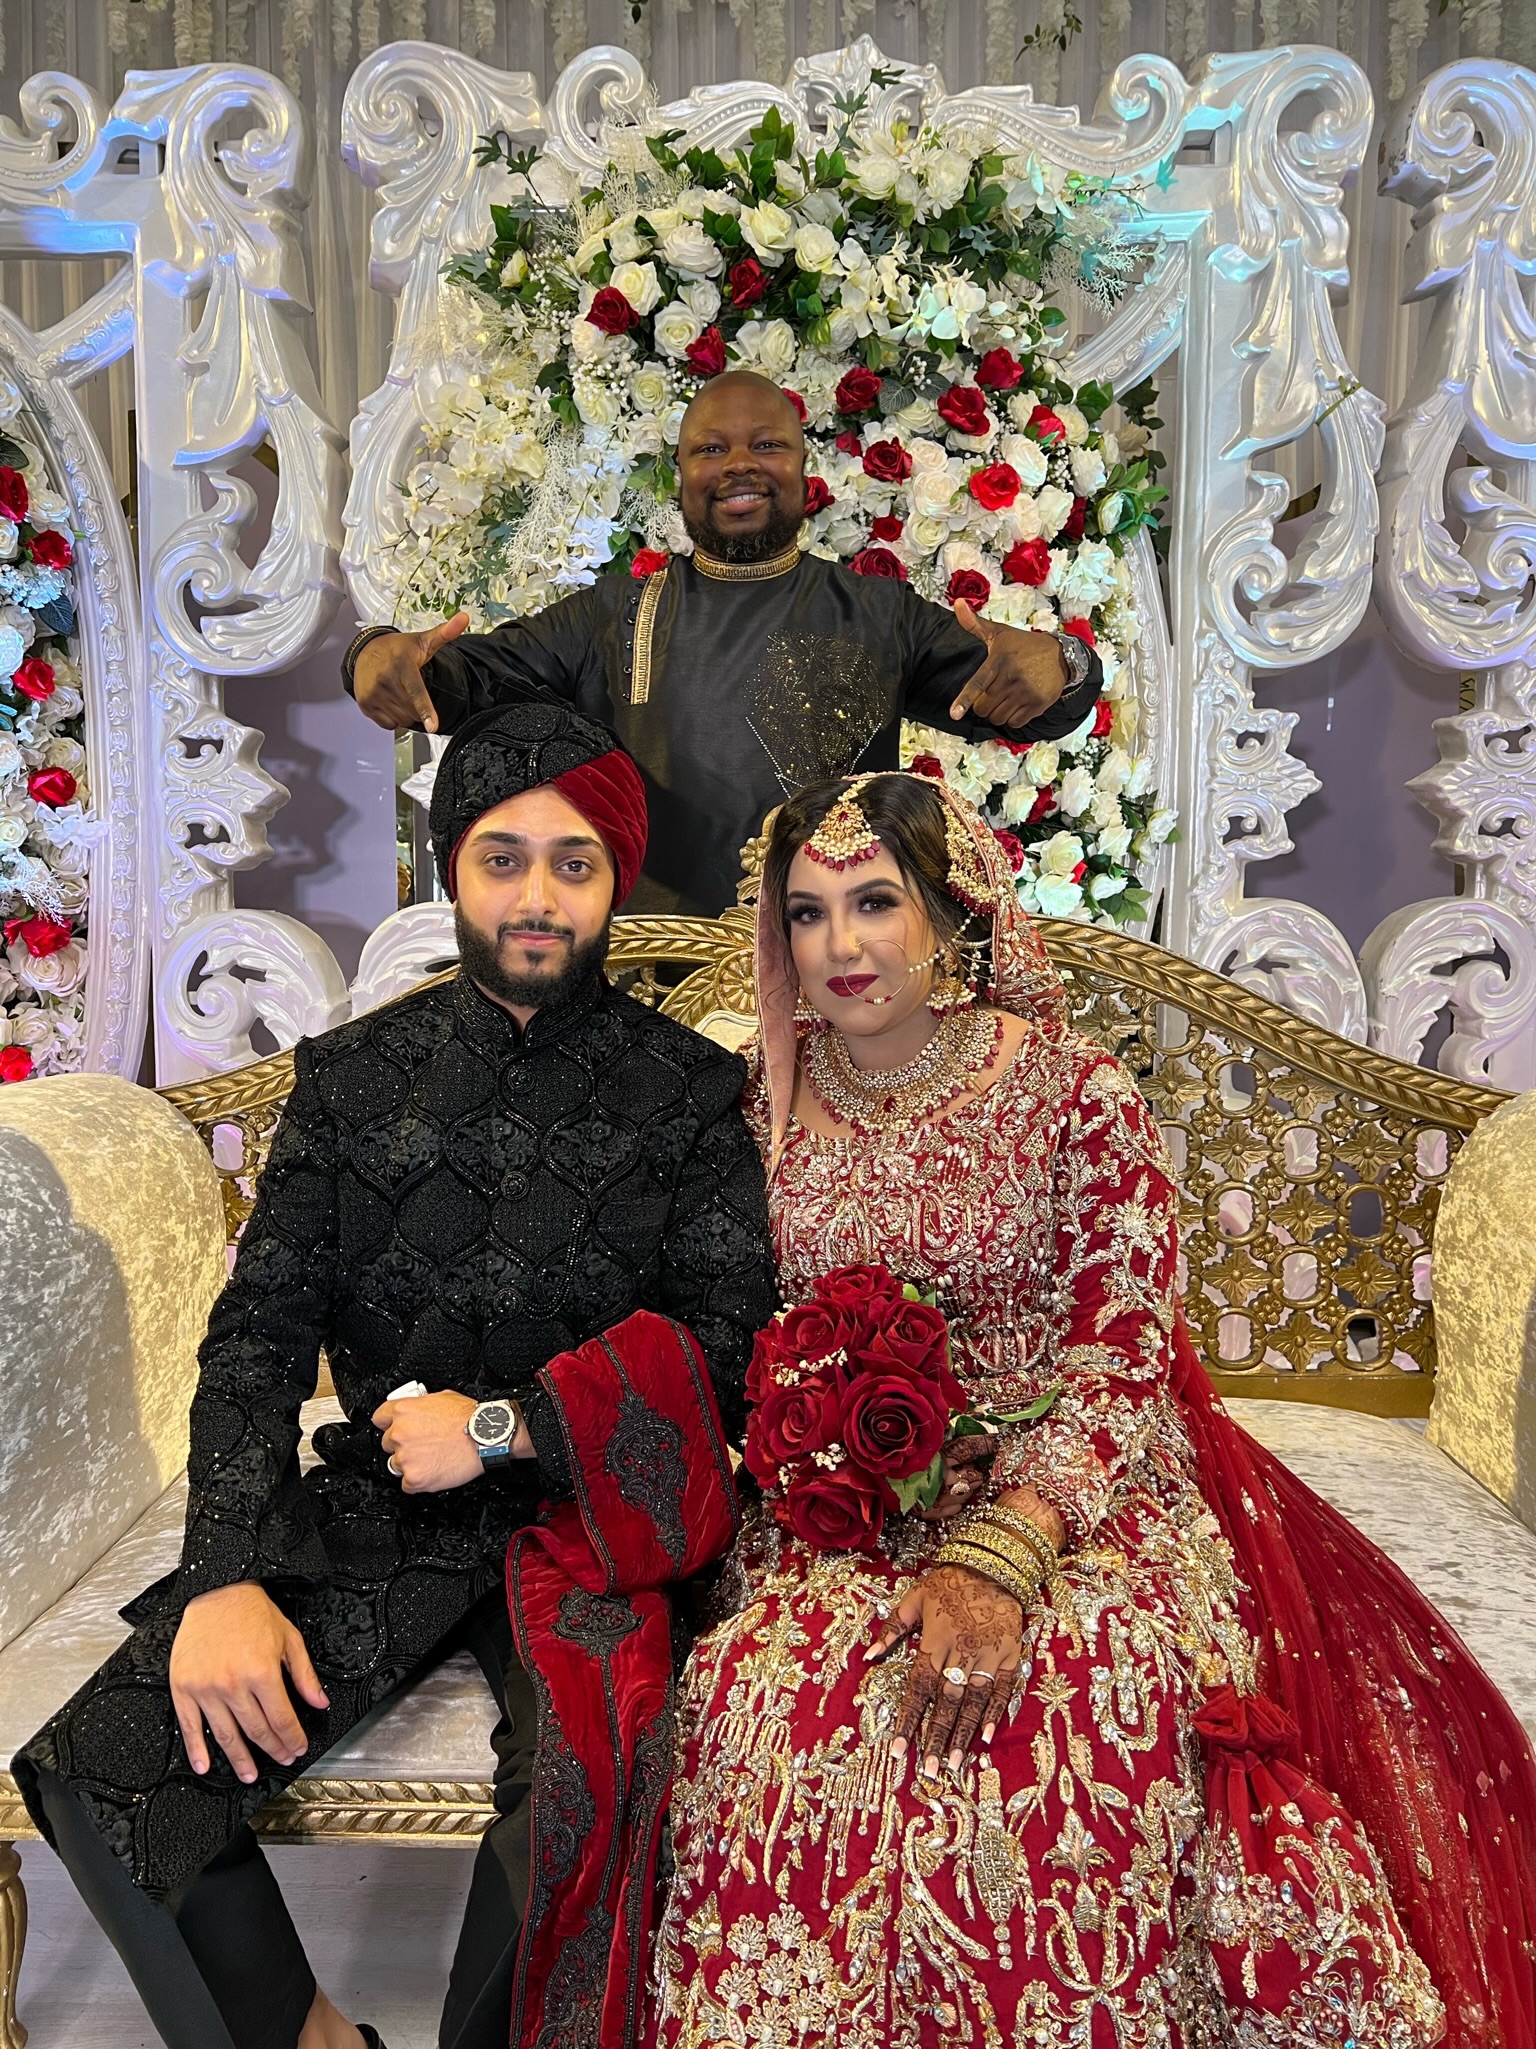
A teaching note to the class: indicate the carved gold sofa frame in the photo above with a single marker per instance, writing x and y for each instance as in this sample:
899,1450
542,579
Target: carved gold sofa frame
1311,1171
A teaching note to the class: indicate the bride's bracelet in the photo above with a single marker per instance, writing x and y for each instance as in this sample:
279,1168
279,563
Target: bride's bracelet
1029,1532
997,1555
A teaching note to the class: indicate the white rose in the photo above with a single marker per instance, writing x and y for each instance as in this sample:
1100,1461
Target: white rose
1103,887
789,179
927,534
946,175
692,253
61,753
625,246
842,330
56,974
1042,763
776,347
9,534
588,252
663,219
1075,794
1160,825
514,271
1087,467
1089,579
875,174
933,492
1132,441
770,230
11,759
1111,511
590,345
1018,802
639,284
650,388
703,297
1056,897
921,417
815,250
13,831
1115,842
672,426
1027,457
1104,811
1075,422
697,201
598,404
1139,780
676,327
1052,507
1115,771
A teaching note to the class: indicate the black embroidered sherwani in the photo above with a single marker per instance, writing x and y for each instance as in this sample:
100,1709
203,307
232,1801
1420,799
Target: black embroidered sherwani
449,1199
735,694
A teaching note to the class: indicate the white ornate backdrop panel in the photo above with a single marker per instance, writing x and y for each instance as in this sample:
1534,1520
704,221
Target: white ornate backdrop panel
1247,254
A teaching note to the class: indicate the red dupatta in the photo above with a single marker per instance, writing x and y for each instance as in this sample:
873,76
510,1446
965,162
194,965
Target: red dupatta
654,1503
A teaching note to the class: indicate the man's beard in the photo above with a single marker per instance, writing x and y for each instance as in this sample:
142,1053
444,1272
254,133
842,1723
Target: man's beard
480,959
775,537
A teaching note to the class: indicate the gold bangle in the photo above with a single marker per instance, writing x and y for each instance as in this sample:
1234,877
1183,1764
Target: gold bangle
1021,1526
1024,1588
985,1528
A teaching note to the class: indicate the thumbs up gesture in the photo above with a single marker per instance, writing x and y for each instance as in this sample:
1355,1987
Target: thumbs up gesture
387,680
1022,676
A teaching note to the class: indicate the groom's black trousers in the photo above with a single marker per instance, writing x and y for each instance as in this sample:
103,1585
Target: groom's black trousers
220,1964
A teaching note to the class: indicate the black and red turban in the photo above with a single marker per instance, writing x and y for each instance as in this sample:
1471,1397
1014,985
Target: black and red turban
517,747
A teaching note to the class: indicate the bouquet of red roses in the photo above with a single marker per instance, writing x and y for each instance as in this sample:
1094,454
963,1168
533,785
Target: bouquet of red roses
853,1399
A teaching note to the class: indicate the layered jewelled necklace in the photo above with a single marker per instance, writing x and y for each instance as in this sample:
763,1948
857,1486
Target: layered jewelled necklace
888,1098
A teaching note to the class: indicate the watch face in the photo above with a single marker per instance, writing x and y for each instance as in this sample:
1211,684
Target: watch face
492,1423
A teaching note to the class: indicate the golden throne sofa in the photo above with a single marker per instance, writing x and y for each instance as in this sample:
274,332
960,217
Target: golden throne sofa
1312,1172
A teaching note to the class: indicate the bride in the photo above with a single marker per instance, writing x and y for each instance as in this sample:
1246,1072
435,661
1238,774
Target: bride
1130,1742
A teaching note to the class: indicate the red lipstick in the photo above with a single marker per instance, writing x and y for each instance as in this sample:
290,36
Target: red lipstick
851,985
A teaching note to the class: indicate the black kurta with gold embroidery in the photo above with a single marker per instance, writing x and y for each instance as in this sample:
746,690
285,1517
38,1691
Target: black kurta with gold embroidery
448,1199
743,691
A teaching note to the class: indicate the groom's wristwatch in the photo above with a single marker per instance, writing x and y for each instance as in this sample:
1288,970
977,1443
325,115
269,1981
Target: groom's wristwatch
491,1429
1078,660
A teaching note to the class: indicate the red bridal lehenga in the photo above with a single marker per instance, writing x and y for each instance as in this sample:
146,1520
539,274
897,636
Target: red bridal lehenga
1252,1793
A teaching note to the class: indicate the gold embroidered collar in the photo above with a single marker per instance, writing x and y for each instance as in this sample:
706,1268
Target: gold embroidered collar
746,572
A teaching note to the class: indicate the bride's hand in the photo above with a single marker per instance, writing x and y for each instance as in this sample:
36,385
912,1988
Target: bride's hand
969,1650
967,1461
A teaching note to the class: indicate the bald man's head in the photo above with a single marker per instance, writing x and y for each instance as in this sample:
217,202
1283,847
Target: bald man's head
741,468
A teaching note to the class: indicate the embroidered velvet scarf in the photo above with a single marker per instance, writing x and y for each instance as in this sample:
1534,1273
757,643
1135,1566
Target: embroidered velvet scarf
654,1503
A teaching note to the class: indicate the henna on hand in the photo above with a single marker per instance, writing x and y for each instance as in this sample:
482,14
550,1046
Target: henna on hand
969,1625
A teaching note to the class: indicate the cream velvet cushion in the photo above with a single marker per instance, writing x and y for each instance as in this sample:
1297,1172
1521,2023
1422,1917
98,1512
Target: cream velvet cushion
112,1251
1484,1411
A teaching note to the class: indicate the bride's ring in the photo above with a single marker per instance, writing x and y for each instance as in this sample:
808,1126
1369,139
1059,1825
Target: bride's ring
955,1674
988,1676
394,1466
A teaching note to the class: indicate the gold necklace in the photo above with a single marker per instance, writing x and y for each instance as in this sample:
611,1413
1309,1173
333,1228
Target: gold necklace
887,1098
747,572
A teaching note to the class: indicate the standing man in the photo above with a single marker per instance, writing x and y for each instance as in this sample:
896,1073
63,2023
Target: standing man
739,673
464,1185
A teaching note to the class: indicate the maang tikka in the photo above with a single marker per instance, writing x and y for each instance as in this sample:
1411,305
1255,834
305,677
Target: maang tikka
844,838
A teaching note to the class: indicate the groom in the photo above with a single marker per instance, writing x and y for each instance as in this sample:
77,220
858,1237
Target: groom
743,671
465,1185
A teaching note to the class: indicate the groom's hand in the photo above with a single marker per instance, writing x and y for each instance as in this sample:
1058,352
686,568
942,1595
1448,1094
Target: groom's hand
235,1655
387,680
1023,675
428,1445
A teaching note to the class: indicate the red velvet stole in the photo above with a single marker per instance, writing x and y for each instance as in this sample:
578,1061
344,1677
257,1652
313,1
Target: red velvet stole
654,1503
1386,1708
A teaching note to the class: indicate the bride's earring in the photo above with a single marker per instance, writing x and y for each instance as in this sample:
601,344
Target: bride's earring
950,991
805,1010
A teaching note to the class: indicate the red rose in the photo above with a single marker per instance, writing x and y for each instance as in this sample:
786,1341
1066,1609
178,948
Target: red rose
13,494
892,1424
1012,846
1103,718
996,486
34,678
858,390
797,402
963,408
929,765
51,550
915,1337
791,1423
818,496
887,462
768,1355
1080,629
879,562
1079,871
887,528
858,1287
816,1330
1046,425
706,356
749,281
51,786
1043,806
1000,371
611,313
40,936
647,561
837,1511
1072,526
15,1063
971,585
850,442
1027,562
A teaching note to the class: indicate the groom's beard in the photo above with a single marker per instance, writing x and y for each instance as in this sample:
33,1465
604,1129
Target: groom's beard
775,537
543,988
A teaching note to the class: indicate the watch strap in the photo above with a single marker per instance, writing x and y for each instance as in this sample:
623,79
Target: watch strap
1076,655
355,646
